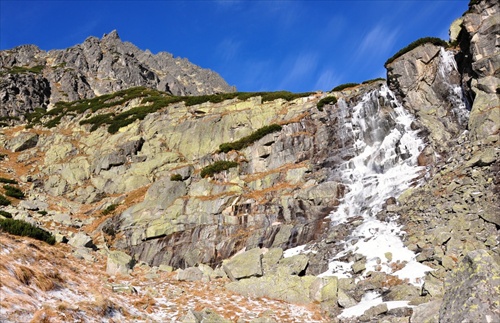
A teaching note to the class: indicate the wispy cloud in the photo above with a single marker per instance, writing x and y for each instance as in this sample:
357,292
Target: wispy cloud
333,28
228,49
257,75
327,80
298,68
377,42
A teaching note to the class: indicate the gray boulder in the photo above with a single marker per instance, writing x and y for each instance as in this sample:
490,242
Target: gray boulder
119,263
294,265
190,274
81,239
246,264
280,286
22,141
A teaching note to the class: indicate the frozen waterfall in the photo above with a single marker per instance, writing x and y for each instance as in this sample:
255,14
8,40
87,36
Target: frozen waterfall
386,149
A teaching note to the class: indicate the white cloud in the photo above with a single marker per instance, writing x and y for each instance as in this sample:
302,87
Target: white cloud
327,80
228,49
296,69
377,42
257,75
333,28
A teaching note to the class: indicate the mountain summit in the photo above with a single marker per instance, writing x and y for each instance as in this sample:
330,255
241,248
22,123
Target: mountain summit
31,78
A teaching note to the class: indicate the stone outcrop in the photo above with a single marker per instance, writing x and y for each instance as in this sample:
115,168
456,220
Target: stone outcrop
22,93
426,82
31,78
23,141
282,282
479,64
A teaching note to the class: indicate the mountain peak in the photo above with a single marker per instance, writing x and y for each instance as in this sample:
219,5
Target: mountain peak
111,36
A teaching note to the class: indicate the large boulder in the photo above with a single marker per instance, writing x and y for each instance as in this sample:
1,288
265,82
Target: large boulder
243,265
119,262
280,286
23,141
81,239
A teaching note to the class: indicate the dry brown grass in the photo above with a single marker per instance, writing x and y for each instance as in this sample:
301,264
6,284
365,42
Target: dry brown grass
282,169
262,195
295,119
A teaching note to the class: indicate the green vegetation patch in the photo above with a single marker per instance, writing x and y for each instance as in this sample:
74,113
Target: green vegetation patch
23,69
176,177
7,181
25,229
217,167
13,191
432,40
152,101
326,101
95,104
250,139
110,209
4,201
373,80
344,86
6,214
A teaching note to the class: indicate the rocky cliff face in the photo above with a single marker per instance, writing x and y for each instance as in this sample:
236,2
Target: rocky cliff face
31,78
480,63
381,206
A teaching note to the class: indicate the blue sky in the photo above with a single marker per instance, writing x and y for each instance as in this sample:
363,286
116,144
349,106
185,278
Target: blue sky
254,45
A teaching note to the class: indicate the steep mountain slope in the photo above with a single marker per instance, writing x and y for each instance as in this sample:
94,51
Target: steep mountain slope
31,78
377,202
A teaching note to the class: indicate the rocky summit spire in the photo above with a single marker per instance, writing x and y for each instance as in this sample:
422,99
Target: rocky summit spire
111,36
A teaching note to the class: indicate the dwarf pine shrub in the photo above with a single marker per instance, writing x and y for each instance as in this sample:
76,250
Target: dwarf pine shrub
4,201
111,208
7,181
326,101
13,192
176,177
250,139
25,229
344,86
217,167
425,40
6,214
373,80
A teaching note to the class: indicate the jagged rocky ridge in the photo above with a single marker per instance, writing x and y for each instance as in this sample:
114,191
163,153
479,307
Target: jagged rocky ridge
31,78
290,186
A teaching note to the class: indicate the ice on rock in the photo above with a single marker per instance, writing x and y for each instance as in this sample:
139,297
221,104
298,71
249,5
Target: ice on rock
385,165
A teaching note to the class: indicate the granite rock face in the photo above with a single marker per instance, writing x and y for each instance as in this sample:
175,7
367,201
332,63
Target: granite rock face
479,64
426,81
31,78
